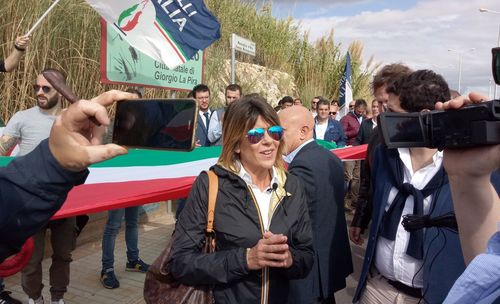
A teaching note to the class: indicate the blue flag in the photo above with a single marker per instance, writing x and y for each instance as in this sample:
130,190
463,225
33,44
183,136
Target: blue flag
345,92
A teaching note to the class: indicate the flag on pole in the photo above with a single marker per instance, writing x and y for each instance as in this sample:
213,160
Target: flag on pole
169,31
345,93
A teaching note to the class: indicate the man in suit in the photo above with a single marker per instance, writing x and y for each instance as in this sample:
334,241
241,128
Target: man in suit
322,175
367,126
201,93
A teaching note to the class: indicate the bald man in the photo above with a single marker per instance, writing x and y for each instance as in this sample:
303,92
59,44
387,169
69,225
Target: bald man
322,175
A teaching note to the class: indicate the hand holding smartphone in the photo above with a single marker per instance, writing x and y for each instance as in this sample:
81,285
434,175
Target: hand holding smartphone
156,123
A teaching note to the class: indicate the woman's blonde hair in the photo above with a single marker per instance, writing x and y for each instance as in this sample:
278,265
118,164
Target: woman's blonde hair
241,116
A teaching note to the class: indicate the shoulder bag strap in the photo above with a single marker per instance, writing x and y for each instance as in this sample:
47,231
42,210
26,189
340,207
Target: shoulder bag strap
213,188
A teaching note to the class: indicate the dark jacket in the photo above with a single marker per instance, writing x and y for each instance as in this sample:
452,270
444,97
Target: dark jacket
238,226
351,126
363,213
365,132
201,133
334,133
443,261
32,188
322,174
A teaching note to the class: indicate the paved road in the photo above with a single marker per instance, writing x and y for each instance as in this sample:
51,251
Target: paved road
85,287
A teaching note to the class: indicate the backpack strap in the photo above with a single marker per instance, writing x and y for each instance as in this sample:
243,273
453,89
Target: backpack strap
213,188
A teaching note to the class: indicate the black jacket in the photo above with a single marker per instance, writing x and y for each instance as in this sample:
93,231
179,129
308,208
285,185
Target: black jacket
365,132
238,226
32,188
322,174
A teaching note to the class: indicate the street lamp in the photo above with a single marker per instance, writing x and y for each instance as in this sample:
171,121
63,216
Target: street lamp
460,54
485,10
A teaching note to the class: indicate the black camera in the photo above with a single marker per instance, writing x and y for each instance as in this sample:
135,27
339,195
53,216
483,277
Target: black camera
470,126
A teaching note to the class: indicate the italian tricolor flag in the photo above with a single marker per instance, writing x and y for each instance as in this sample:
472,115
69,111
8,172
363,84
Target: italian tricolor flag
140,177
148,176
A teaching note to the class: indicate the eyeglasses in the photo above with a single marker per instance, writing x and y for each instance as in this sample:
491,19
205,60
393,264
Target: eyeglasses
351,107
333,113
257,134
314,102
45,89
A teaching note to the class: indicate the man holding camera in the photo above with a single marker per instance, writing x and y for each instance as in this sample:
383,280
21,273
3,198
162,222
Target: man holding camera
402,266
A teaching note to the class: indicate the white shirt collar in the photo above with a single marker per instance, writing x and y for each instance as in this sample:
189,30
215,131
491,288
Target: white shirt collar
404,155
248,178
289,158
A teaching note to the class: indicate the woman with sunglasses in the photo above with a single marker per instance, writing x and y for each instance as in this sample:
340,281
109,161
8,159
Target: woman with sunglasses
262,226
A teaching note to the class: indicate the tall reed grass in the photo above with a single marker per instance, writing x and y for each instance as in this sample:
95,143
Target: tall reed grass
68,39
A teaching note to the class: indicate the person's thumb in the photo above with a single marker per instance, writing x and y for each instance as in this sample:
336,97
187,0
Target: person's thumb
104,152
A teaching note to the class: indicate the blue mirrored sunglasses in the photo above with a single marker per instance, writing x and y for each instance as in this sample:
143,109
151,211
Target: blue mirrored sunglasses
256,135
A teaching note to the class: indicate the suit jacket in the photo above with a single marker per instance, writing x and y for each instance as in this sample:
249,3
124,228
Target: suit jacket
334,133
202,132
365,132
322,175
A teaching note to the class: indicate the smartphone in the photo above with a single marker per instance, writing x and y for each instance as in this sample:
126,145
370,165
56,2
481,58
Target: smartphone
156,123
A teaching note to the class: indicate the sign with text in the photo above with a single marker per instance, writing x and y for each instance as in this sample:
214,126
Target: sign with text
123,64
243,45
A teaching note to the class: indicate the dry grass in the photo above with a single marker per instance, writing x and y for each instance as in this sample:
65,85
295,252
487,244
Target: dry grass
68,39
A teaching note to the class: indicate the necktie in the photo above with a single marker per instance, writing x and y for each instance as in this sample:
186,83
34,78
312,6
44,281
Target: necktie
393,214
207,120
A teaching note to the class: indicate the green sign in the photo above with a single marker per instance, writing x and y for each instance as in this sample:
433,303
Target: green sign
123,64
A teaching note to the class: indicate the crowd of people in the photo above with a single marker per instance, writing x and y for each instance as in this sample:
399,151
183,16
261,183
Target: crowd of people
280,217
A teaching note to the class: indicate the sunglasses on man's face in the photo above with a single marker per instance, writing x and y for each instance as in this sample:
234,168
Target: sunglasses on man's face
257,134
333,113
45,89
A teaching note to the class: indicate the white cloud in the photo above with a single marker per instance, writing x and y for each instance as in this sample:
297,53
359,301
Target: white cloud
422,35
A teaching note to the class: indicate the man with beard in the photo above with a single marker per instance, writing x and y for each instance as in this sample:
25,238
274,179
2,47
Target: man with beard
29,128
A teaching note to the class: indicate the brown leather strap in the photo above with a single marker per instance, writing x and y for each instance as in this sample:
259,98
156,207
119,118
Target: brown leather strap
213,188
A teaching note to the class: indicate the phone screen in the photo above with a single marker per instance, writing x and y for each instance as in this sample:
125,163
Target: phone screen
156,123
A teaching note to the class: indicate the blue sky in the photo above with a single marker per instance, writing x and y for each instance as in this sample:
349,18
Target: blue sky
302,9
415,32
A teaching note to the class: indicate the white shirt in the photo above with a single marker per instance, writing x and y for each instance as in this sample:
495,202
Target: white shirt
263,198
203,118
391,259
320,129
289,158
214,128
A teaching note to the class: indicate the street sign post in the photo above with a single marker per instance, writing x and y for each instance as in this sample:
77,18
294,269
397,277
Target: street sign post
242,45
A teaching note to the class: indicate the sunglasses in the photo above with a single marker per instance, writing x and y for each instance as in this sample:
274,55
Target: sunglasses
45,89
257,134
333,113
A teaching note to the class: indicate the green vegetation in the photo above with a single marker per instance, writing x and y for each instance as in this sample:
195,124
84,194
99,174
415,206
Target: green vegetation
68,39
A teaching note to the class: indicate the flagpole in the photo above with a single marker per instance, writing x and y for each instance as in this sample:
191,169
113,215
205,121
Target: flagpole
42,17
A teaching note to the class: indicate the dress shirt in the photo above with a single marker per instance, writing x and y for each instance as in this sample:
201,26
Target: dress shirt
289,158
263,198
391,259
479,283
320,129
203,118
214,128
